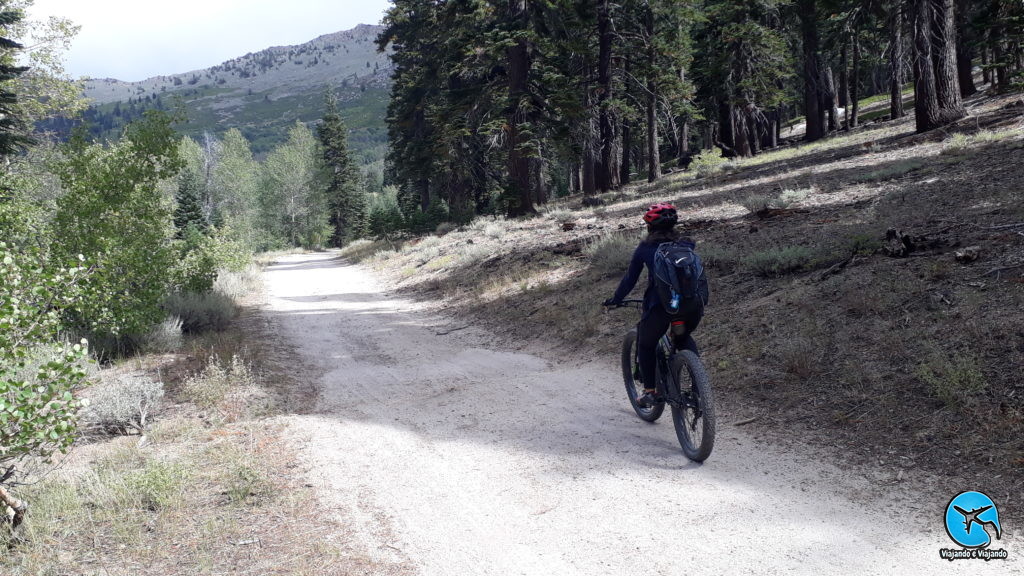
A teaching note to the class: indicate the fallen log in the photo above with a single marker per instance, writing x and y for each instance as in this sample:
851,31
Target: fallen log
18,506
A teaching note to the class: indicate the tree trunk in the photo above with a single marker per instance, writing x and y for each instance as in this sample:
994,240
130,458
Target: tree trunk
896,58
944,51
653,154
813,89
1002,78
986,72
684,141
778,127
964,52
844,78
726,130
589,177
844,83
518,161
741,129
537,169
768,130
926,101
627,149
853,119
604,81
423,188
831,100
995,40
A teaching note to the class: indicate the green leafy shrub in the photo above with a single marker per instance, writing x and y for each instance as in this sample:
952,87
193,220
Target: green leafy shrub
201,312
755,203
39,377
196,266
955,380
708,162
229,253
122,404
863,244
778,261
716,257
113,212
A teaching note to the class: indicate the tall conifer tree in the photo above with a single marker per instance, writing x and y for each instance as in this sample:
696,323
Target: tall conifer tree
345,196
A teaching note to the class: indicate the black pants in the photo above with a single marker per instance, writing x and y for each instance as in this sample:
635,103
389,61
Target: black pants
652,327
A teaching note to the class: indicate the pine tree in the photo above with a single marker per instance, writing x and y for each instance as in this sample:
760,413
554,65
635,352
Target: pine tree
188,214
12,136
346,198
937,99
741,67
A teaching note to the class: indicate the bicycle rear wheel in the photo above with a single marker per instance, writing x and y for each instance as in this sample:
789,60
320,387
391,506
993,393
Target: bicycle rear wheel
694,417
631,377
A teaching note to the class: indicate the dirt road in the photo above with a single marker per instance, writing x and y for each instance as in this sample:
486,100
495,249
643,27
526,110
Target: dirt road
450,456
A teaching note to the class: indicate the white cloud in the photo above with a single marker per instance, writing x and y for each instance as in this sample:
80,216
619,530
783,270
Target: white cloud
133,40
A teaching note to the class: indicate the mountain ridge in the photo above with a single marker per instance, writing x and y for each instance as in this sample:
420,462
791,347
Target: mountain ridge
262,93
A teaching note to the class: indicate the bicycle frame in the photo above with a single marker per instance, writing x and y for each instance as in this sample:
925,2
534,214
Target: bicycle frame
668,380
667,383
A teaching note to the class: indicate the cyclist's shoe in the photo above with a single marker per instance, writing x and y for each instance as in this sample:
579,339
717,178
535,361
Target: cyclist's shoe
649,398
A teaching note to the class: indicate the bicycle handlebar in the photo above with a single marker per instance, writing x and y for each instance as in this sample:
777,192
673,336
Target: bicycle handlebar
629,304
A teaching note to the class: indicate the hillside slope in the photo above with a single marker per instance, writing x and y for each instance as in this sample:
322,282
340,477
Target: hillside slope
264,92
874,307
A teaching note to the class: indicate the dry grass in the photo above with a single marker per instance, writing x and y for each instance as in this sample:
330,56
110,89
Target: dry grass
955,380
363,250
897,169
610,255
220,387
227,504
779,261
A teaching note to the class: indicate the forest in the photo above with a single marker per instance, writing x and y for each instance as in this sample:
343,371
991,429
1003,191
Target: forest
523,101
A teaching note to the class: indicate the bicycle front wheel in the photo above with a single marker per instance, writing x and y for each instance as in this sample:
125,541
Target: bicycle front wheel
694,416
631,377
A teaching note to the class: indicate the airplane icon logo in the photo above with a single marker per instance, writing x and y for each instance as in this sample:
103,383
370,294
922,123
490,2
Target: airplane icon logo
972,518
968,516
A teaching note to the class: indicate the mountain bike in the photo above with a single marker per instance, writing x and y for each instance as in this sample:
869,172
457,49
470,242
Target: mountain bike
682,383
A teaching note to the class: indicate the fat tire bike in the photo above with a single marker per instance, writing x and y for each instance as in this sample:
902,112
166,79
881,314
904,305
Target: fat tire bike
682,383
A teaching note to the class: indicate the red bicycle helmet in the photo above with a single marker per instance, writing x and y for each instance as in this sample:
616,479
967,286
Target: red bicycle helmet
661,215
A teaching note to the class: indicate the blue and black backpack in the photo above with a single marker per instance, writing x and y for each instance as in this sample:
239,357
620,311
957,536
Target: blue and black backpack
679,276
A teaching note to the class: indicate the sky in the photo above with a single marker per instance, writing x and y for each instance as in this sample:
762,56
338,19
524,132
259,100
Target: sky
133,40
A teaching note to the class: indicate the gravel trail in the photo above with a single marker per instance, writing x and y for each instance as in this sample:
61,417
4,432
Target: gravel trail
451,456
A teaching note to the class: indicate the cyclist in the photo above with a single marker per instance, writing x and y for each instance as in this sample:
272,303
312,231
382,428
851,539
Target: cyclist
661,222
